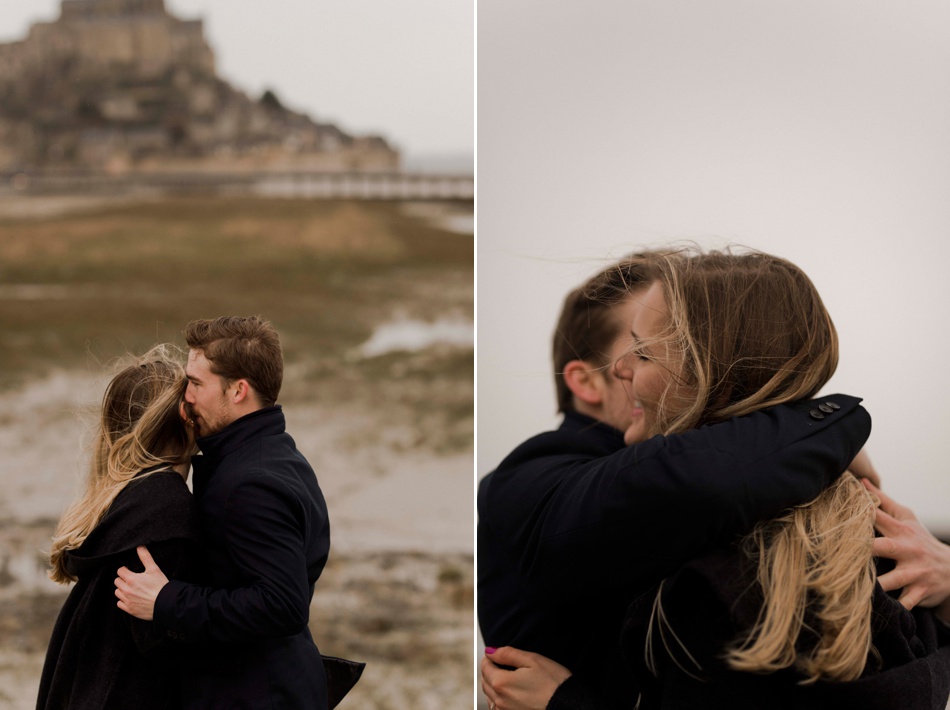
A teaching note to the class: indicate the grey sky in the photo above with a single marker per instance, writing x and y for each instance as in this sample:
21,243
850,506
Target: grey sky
813,130
402,69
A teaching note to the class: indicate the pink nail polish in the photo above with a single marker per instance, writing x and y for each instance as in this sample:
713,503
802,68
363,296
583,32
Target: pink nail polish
489,650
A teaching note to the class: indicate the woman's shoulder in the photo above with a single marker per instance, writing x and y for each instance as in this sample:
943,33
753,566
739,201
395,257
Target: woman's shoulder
704,603
155,498
726,576
155,480
155,487
155,506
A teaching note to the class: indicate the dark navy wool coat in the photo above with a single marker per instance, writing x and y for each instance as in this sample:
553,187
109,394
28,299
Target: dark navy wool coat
573,525
714,600
267,537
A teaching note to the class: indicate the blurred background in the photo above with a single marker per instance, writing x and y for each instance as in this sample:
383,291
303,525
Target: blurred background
165,161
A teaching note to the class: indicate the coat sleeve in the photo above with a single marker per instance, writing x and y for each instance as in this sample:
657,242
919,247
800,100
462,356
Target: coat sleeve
574,694
265,529
178,559
633,517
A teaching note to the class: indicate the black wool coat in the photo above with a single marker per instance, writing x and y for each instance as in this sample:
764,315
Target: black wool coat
713,599
573,525
267,536
99,657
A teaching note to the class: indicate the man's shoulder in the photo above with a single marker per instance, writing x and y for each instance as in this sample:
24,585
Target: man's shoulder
578,437
271,468
544,459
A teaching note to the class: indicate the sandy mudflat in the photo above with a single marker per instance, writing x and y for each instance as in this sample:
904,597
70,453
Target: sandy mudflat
397,592
388,430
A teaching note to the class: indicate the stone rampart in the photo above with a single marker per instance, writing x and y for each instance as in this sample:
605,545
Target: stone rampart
120,84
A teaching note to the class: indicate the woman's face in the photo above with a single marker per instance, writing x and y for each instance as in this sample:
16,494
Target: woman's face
651,368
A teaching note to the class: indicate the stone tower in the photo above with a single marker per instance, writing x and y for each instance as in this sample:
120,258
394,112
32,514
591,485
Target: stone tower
74,9
123,85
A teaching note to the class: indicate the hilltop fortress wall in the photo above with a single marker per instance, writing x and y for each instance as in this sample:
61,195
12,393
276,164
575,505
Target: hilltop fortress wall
121,85
148,45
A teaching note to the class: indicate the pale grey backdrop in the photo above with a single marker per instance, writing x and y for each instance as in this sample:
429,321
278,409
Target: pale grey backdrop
813,130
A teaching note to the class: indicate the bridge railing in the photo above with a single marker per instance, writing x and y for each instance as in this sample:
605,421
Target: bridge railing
313,185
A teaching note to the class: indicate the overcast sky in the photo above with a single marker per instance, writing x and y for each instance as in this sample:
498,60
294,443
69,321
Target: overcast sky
401,69
815,130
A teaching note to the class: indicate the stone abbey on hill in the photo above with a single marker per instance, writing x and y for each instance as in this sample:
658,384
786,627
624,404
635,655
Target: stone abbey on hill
122,85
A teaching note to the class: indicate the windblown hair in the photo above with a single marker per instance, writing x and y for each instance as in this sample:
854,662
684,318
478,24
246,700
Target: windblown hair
753,333
585,329
139,428
816,573
241,348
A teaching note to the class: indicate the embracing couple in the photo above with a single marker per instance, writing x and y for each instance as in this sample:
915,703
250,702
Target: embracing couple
193,601
700,531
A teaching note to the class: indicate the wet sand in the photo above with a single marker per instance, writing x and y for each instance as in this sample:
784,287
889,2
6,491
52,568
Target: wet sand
397,593
388,428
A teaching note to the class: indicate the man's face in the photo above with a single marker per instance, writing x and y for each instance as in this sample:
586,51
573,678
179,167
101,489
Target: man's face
207,393
618,406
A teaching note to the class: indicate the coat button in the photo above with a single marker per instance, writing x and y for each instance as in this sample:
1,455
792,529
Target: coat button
815,414
826,408
832,405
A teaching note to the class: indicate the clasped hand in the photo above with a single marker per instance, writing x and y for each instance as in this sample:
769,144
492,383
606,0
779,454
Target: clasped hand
528,686
922,572
137,591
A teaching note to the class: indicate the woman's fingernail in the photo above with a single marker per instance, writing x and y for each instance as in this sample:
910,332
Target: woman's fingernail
489,650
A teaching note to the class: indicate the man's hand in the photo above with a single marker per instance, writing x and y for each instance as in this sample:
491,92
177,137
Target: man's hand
528,687
923,562
137,592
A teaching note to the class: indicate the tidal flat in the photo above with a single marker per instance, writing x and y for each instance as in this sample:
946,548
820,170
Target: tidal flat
388,427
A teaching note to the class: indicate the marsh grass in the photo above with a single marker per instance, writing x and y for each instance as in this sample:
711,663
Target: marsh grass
77,291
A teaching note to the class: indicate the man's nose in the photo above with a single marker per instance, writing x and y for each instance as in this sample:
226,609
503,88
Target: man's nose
623,368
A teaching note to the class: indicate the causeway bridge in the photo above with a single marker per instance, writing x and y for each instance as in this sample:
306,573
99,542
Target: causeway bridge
314,185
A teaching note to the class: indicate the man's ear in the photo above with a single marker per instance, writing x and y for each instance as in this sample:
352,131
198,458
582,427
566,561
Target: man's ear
242,390
584,381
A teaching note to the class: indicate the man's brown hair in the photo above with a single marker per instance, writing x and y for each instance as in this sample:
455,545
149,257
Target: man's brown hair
241,348
585,330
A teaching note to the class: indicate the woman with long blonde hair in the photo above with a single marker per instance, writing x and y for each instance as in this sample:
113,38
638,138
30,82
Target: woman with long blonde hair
790,616
135,494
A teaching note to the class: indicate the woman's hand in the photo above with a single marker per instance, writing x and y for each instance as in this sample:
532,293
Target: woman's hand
528,687
923,562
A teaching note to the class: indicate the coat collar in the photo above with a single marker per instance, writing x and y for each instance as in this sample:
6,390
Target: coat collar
268,421
604,434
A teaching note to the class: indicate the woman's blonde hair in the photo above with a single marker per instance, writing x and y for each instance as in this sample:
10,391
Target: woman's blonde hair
753,333
139,428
